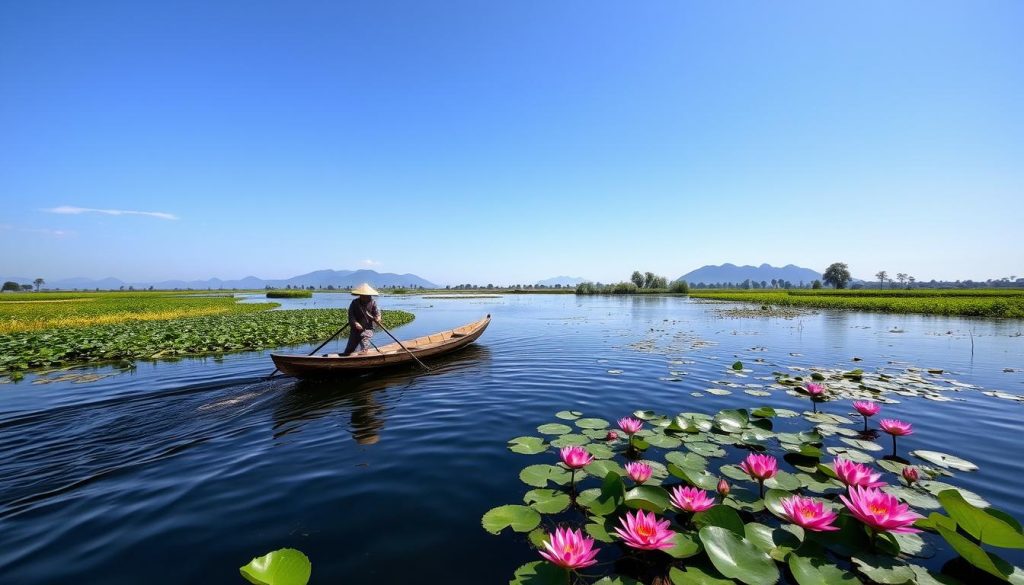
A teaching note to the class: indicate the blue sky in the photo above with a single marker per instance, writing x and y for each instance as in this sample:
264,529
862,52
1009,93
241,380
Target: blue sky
470,141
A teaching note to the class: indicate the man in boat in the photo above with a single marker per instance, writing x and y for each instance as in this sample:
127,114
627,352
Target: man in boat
362,315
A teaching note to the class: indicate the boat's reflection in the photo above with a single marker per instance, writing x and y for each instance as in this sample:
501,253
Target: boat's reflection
368,397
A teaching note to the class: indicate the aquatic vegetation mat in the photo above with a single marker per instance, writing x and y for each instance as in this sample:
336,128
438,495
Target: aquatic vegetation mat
749,496
971,303
126,342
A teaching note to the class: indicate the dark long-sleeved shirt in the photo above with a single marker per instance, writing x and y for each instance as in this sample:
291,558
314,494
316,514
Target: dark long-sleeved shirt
363,313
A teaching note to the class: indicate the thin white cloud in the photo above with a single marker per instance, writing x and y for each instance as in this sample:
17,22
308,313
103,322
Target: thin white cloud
370,263
71,210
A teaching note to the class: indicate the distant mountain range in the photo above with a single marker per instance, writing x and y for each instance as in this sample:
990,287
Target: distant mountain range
319,278
562,280
727,273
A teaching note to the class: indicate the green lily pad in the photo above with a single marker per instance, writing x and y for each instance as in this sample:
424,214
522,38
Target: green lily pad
777,542
695,575
979,523
663,441
737,366
539,573
547,501
722,516
519,518
592,423
706,449
884,569
599,451
568,414
539,475
527,445
818,571
737,558
936,487
554,429
732,420
684,546
648,497
913,497
687,460
944,460
861,444
570,439
601,468
285,566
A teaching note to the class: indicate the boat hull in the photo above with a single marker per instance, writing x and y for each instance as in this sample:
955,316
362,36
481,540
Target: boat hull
390,355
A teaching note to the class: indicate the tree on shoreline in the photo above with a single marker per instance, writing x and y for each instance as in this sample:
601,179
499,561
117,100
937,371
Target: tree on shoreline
837,274
881,275
39,282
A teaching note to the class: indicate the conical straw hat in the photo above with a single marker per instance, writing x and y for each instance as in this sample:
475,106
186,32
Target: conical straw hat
364,289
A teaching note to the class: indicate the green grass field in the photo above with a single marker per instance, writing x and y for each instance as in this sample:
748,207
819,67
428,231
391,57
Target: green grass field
965,302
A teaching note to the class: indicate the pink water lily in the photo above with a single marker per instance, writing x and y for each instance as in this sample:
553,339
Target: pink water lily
867,408
691,499
880,511
639,472
576,457
910,474
760,468
814,390
569,549
808,513
896,428
630,425
852,473
644,531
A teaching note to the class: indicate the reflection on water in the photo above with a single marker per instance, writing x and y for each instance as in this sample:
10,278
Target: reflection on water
308,400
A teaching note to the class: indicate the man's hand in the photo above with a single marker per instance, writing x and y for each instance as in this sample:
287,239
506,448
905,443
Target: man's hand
357,326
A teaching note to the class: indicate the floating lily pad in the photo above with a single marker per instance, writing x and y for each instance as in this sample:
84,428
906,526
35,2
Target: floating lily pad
285,566
648,497
527,445
568,414
944,460
737,558
539,475
519,518
554,429
592,423
538,573
570,439
547,501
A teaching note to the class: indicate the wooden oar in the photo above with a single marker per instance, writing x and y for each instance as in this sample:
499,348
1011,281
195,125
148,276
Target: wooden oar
319,347
411,354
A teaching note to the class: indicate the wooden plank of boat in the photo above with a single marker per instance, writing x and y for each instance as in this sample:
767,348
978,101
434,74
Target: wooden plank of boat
333,364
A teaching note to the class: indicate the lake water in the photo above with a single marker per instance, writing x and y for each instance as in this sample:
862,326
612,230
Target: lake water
180,472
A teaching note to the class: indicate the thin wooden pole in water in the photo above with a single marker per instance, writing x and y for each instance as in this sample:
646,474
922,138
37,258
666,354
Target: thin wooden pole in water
411,354
319,347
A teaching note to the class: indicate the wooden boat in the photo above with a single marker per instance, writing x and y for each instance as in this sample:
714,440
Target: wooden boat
392,354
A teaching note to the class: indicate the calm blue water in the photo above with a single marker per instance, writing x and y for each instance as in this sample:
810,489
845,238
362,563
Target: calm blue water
180,472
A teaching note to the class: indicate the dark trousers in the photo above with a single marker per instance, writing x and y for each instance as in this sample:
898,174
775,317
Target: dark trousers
360,339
